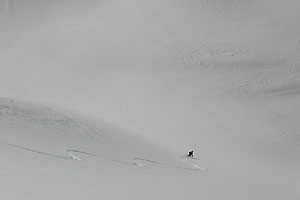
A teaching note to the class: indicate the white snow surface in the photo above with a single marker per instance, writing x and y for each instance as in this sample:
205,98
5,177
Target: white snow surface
103,99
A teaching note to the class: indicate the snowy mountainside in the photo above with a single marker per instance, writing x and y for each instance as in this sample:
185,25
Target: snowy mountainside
220,77
48,153
24,123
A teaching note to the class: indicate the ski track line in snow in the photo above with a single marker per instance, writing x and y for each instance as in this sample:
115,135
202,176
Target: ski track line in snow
69,151
196,167
137,161
146,160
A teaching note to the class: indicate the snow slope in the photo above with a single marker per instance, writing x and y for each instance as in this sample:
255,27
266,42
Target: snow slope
220,77
50,154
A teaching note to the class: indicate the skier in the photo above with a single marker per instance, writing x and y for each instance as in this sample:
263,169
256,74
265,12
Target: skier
191,154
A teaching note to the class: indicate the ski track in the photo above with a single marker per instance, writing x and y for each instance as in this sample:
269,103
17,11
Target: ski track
69,151
146,160
196,167
136,161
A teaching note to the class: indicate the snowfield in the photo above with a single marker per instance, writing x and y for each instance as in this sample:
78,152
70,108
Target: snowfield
103,99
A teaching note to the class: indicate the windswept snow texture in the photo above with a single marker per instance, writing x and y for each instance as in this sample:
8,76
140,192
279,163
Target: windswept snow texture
98,99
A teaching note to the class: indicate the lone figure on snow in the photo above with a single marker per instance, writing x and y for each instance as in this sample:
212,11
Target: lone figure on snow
191,154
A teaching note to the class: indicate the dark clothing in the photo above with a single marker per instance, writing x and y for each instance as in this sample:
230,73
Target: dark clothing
191,154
